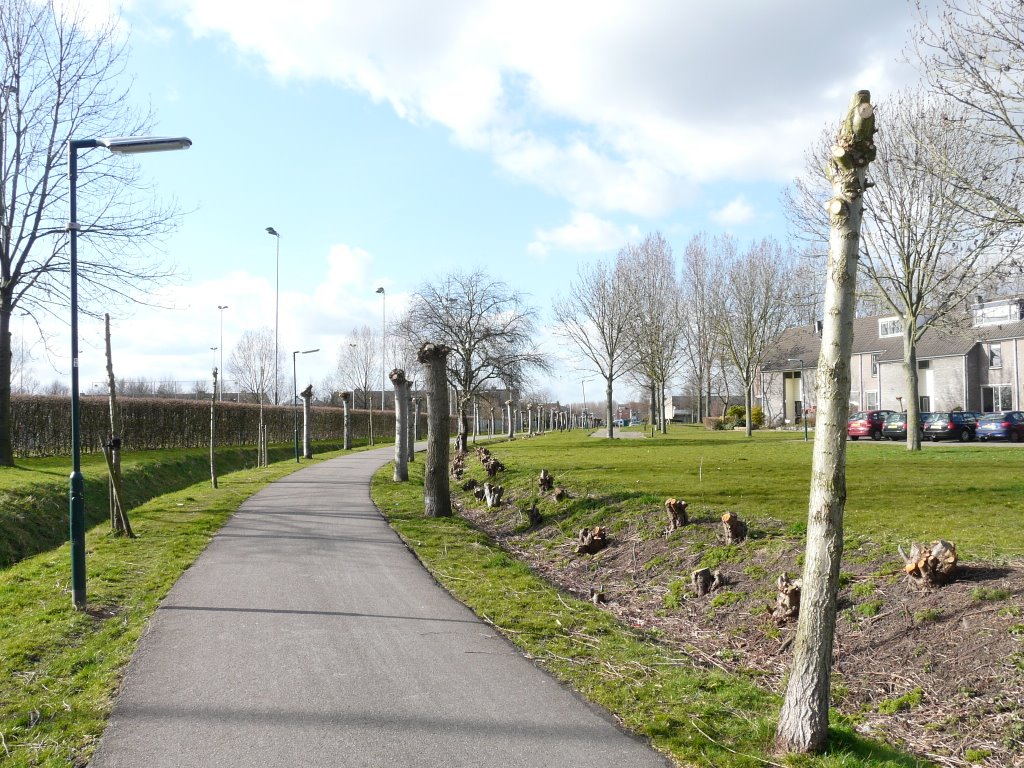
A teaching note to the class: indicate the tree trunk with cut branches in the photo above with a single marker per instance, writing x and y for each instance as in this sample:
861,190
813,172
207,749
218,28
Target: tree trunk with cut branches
401,385
803,721
436,493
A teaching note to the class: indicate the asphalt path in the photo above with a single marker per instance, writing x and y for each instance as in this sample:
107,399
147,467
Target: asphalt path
308,635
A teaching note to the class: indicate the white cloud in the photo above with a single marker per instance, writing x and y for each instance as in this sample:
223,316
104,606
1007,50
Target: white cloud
735,212
615,106
584,233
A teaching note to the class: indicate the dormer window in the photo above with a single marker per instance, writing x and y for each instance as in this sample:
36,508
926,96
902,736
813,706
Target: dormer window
996,312
890,327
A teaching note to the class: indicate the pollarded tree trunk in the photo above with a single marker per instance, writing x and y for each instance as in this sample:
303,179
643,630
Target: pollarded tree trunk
213,429
346,421
511,423
437,498
462,436
413,432
401,385
803,721
307,422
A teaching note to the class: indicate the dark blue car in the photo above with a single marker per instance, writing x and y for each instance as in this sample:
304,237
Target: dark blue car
1004,425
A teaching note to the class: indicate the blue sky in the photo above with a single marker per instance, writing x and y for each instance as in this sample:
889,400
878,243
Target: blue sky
391,143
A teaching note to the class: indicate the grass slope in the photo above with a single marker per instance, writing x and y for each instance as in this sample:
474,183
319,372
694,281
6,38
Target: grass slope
696,713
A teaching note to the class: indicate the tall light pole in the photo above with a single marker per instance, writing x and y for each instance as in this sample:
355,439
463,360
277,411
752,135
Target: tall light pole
221,307
123,146
277,298
295,398
383,345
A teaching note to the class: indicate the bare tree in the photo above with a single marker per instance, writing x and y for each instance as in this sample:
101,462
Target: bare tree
595,316
252,362
803,721
926,247
927,250
656,326
700,286
488,328
62,78
359,363
972,54
754,308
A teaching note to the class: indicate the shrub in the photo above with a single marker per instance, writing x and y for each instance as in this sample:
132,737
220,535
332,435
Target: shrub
736,414
757,416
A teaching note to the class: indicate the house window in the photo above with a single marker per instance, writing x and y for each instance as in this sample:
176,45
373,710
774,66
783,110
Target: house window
924,365
870,401
889,327
924,404
997,398
874,363
995,355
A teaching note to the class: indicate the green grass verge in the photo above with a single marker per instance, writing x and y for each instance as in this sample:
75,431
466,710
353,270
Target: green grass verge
59,668
34,494
701,716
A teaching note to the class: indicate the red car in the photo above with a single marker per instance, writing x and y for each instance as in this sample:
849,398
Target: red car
866,424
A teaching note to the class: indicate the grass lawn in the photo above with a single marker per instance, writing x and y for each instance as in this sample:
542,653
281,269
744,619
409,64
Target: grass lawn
59,668
968,494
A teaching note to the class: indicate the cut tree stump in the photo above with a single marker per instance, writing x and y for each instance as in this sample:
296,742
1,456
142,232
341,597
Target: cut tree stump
546,481
470,484
592,540
458,465
705,580
787,601
597,596
478,492
533,516
677,517
930,566
735,529
492,494
559,494
493,466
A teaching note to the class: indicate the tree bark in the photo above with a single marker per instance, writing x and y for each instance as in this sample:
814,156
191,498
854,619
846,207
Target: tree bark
118,516
913,387
307,422
213,429
609,406
437,498
346,421
6,440
401,385
803,721
413,431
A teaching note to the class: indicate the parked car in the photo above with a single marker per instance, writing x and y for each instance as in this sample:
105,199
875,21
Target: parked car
866,424
952,425
895,427
1004,425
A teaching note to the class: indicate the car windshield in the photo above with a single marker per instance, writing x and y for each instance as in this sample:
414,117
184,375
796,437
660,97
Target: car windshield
991,418
939,416
895,418
859,416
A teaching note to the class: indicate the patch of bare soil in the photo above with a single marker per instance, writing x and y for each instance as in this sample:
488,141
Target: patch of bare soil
939,672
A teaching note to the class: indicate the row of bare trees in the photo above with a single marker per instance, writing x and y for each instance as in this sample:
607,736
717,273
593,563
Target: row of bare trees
646,316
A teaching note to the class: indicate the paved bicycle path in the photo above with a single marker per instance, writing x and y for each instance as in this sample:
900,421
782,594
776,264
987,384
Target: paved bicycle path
307,634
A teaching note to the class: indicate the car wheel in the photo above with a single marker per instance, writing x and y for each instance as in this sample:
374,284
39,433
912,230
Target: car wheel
876,434
965,435
854,437
1014,437
935,438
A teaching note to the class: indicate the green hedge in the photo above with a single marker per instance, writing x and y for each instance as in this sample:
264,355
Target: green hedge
41,426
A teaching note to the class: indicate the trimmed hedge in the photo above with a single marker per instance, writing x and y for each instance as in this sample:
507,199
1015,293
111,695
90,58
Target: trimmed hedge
41,425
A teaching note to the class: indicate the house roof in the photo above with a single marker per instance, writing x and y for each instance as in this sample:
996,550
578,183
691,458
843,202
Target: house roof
799,347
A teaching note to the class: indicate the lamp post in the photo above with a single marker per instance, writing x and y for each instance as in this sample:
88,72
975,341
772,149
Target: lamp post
221,307
383,346
295,398
277,298
130,145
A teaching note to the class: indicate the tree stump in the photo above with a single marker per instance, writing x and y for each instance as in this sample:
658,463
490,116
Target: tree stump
705,580
458,465
676,509
560,493
735,529
533,516
493,466
546,481
478,492
787,601
592,540
492,494
469,485
597,596
930,567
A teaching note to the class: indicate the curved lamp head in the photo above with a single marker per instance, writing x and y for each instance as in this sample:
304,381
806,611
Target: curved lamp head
272,231
136,145
380,290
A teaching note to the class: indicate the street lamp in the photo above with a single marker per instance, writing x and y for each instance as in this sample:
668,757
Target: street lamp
129,145
383,345
277,298
221,307
295,398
